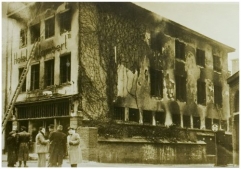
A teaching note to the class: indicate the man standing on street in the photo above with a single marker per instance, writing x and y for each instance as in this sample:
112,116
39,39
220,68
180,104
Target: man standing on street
58,142
51,130
23,141
73,142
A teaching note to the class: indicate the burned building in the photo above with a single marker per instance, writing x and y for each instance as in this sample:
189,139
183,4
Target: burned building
113,61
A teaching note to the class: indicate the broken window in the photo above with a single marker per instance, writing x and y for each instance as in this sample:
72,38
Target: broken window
176,119
160,118
23,89
196,122
49,73
216,63
208,123
65,21
134,115
186,121
156,78
179,50
119,113
35,32
49,27
200,57
147,117
224,125
180,88
65,67
218,95
23,38
34,77
201,92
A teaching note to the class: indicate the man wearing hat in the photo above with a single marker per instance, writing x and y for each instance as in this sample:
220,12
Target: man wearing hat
73,143
23,140
58,142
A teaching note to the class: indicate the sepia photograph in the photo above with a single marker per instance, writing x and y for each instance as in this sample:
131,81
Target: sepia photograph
120,84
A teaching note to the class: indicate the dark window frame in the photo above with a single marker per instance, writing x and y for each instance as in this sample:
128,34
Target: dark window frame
216,63
147,117
23,38
200,57
35,32
134,115
196,122
65,68
179,50
176,119
49,27
218,98
49,72
160,118
208,123
201,92
24,88
181,89
65,19
35,76
119,113
156,79
186,121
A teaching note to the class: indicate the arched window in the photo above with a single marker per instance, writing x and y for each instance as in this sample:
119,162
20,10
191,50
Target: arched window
236,102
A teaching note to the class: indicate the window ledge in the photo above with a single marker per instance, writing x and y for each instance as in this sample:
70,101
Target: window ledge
201,66
65,84
218,72
180,60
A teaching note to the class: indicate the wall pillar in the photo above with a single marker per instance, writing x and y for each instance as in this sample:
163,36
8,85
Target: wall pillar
75,121
88,142
191,120
126,114
181,117
154,118
140,116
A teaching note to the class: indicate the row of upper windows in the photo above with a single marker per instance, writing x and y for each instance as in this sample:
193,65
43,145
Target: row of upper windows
65,74
160,117
156,78
200,56
35,31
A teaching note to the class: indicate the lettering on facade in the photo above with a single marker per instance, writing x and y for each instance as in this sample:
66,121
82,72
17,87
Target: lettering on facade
51,49
40,53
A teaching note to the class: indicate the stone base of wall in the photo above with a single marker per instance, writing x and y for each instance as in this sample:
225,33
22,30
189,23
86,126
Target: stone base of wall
88,143
143,151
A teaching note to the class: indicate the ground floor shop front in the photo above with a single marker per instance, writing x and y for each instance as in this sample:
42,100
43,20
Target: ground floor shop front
32,115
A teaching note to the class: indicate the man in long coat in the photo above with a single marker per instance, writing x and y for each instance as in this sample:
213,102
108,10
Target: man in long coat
51,129
23,140
58,142
73,142
11,146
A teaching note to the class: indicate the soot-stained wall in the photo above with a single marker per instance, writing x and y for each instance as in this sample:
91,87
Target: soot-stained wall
119,44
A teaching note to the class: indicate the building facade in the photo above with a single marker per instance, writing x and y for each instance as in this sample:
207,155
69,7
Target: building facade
233,82
113,61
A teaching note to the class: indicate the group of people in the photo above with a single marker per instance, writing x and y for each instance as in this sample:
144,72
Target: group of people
55,145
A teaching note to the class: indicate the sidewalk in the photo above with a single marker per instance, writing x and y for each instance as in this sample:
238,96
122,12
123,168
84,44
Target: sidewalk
33,163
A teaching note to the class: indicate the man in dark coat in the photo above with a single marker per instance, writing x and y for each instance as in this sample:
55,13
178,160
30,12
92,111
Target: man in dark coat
51,130
11,146
23,140
58,142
